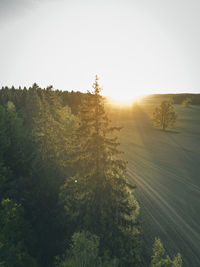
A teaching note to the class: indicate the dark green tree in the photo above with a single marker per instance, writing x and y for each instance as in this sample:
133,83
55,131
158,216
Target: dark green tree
15,153
84,251
98,198
32,105
13,235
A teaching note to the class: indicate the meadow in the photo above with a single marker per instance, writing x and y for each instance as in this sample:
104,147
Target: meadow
165,167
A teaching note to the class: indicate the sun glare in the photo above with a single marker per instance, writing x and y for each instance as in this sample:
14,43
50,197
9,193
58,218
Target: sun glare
122,102
122,98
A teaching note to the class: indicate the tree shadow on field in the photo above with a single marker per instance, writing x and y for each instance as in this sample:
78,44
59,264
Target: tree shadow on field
167,131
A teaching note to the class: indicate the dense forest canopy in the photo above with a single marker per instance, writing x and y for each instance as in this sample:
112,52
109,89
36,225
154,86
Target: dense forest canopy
54,182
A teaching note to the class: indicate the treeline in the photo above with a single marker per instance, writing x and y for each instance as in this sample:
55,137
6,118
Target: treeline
34,131
64,196
20,97
179,98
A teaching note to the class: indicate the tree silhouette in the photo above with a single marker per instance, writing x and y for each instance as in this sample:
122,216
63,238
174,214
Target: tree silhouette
99,197
164,115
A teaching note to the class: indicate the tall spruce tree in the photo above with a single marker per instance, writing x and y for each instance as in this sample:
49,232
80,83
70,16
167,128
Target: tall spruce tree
99,198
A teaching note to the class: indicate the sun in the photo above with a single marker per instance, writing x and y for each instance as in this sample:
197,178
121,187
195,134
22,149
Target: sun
123,99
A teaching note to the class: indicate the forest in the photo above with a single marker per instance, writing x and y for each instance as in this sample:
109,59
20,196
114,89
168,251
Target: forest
99,171
66,199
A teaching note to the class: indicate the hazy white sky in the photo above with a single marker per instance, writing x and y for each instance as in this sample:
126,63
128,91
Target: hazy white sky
135,46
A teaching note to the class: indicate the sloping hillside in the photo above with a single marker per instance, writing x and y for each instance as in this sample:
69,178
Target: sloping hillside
165,166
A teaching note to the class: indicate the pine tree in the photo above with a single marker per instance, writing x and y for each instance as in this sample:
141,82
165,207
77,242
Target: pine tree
32,106
99,198
160,258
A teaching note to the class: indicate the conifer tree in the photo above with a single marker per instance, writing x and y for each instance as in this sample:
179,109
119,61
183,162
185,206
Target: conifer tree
99,198
160,258
32,106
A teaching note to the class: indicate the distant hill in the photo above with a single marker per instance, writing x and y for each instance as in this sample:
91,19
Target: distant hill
178,98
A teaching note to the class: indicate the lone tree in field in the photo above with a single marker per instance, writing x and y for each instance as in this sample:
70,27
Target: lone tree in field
187,102
164,115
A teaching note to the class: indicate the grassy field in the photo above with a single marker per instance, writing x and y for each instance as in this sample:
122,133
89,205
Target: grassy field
165,167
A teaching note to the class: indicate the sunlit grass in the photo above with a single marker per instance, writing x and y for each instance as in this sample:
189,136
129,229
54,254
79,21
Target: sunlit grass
164,166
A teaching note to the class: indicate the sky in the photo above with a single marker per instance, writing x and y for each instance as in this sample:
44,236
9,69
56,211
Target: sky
136,47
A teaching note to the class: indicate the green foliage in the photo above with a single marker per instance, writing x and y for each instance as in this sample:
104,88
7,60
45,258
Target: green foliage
52,131
177,262
4,139
160,259
34,163
187,102
13,230
10,106
45,147
99,196
15,152
84,251
52,126
164,115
